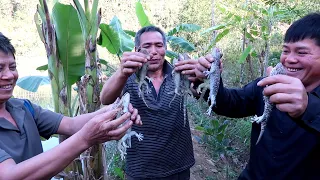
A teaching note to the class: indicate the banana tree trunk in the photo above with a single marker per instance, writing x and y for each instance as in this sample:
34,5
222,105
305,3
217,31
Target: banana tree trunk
57,77
89,100
89,86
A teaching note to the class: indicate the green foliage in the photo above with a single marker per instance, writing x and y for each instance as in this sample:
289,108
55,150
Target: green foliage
184,27
142,17
69,41
245,54
126,43
179,42
109,39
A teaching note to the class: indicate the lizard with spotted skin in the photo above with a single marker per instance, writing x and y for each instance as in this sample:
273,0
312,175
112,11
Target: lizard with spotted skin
214,78
125,141
278,69
182,85
141,75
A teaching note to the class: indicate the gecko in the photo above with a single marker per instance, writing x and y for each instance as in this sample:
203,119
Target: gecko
125,141
268,106
214,78
141,75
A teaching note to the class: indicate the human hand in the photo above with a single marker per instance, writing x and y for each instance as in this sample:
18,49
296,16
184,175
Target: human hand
102,128
135,117
187,67
287,93
131,61
204,63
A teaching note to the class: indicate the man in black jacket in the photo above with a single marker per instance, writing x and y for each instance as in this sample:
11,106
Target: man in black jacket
290,146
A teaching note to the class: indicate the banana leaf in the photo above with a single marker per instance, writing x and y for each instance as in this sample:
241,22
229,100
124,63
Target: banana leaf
126,43
70,41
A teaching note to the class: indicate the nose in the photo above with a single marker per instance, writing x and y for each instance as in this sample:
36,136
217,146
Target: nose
153,50
290,58
7,74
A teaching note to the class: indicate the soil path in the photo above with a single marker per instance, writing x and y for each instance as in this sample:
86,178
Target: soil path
204,168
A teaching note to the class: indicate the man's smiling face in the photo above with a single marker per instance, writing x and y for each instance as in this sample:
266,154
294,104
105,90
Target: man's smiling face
8,76
302,60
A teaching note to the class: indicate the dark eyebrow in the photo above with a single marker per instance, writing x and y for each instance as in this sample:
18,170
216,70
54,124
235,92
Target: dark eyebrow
297,48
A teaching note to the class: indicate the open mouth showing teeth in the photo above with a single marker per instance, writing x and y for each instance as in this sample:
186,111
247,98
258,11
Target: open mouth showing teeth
6,87
293,69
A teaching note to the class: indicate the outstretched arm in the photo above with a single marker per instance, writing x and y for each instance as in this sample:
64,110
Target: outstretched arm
43,166
70,126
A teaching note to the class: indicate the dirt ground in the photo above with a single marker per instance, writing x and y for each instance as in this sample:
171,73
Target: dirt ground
205,168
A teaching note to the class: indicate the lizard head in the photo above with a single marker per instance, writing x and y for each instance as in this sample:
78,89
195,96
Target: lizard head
278,69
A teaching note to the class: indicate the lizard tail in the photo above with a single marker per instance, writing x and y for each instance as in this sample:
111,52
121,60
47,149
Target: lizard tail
172,99
260,135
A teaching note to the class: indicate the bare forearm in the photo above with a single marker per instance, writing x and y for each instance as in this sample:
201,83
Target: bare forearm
47,164
112,88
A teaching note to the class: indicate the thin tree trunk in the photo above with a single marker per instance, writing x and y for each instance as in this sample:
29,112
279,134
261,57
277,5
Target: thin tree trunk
214,33
267,49
242,64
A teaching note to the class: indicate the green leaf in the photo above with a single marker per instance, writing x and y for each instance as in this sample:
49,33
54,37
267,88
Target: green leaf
215,124
126,43
222,34
69,41
82,16
131,33
220,137
254,53
182,43
254,32
38,26
245,54
199,128
104,62
171,54
109,39
213,28
32,83
184,27
237,18
142,17
222,128
249,36
43,68
221,8
217,39
119,172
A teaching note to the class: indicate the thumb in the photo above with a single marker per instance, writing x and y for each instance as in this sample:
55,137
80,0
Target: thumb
269,70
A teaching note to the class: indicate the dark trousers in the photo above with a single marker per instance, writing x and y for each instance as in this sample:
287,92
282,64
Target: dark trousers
184,175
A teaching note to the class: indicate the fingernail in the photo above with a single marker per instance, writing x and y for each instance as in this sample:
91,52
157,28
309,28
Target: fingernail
259,83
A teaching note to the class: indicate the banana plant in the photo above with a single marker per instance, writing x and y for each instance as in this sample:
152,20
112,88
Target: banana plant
116,40
59,32
89,83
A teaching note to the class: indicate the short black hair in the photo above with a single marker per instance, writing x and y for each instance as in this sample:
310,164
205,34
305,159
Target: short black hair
149,29
308,27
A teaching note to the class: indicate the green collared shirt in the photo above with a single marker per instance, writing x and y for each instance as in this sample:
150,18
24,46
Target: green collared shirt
23,142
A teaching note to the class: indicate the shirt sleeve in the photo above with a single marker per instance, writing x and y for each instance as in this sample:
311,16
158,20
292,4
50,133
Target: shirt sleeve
240,102
311,116
4,155
47,121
